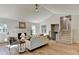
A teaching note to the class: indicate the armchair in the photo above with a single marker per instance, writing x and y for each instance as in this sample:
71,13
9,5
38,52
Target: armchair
12,42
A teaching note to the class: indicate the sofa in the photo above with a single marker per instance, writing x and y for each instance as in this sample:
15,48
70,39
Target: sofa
36,41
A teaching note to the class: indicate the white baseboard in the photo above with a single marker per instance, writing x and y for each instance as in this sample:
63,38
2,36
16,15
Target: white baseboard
76,41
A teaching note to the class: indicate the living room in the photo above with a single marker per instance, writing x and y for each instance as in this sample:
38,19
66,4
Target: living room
44,29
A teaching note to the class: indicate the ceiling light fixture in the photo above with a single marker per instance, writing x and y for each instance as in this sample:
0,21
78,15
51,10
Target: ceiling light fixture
36,8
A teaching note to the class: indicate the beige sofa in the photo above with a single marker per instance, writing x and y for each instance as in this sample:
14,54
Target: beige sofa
36,41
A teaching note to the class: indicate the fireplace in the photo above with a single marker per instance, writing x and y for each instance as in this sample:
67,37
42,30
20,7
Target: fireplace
19,34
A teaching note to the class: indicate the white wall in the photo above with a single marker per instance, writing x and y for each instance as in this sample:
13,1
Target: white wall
75,28
54,19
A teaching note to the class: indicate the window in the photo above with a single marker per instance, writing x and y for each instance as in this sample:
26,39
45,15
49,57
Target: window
43,29
3,28
33,29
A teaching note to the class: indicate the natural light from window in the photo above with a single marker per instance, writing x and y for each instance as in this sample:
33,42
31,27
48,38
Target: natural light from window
3,28
33,29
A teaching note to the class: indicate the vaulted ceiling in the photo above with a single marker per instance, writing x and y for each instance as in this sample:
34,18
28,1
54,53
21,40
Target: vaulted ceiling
27,11
63,8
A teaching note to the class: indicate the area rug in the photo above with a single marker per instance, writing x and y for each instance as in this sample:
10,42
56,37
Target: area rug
4,51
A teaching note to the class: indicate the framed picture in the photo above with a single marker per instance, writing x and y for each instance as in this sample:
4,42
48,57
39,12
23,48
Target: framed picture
22,25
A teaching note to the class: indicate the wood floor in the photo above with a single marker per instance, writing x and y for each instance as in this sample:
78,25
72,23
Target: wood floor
53,48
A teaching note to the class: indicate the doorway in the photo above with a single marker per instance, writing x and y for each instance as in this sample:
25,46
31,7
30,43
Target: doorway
54,31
